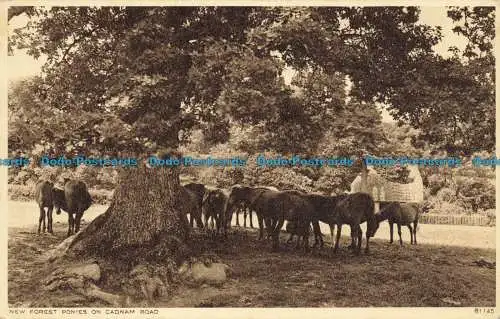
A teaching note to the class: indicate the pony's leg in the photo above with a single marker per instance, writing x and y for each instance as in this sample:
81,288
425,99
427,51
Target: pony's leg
218,224
226,223
411,234
250,214
317,234
199,221
337,239
77,221
260,219
332,229
399,233
71,222
73,225
41,219
272,224
238,217
223,224
391,231
49,219
276,233
206,217
306,239
209,224
353,237
415,224
367,248
44,226
212,225
213,220
359,233
245,214
197,213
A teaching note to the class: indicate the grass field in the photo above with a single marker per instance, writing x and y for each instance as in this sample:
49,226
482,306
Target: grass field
411,276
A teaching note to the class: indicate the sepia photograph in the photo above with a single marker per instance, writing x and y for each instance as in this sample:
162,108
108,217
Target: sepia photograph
250,157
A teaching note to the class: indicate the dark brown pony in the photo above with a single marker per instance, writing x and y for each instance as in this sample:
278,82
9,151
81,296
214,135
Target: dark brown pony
214,203
325,212
246,196
44,198
276,206
75,200
192,195
401,214
353,210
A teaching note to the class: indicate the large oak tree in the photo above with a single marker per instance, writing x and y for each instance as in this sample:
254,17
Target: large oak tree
137,79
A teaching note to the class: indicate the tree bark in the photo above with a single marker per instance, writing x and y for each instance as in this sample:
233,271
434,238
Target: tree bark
143,221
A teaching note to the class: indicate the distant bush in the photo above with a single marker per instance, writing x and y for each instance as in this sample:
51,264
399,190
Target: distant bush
446,208
475,193
491,213
446,195
279,177
94,177
21,192
216,176
27,193
101,196
107,178
434,183
335,180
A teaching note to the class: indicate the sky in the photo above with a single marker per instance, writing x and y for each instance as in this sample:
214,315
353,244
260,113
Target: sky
22,65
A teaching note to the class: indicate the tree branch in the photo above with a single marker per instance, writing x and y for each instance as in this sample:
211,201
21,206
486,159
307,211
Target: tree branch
76,41
16,11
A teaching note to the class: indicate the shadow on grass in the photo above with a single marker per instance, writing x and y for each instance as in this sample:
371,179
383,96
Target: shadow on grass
389,275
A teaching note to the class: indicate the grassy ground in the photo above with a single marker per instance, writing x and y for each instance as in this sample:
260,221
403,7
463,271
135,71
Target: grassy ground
390,275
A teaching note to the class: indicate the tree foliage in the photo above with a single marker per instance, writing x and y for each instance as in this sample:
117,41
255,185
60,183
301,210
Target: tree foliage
449,98
158,70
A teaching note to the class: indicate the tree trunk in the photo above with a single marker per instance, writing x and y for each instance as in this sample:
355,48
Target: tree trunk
143,221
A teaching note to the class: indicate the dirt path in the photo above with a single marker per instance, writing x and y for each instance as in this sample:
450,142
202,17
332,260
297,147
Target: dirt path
25,214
